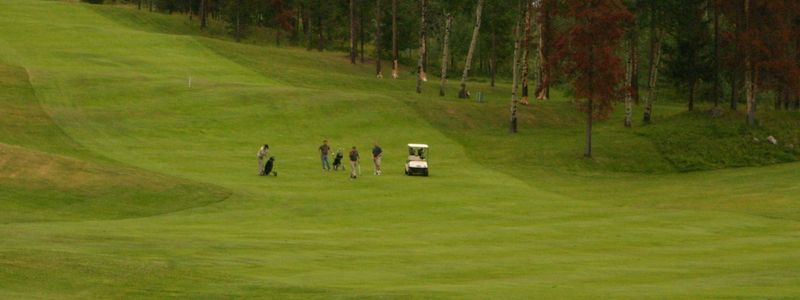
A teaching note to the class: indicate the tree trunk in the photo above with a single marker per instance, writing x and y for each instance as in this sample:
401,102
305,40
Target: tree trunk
515,75
361,37
238,21
587,153
445,52
692,85
635,74
590,111
139,5
378,71
463,93
320,35
420,70
797,103
425,59
395,62
306,21
628,83
634,79
493,59
734,88
307,32
353,53
203,13
786,100
655,59
717,68
749,81
298,22
525,52
749,90
545,26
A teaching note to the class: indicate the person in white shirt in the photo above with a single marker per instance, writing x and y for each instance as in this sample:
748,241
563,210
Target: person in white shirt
262,153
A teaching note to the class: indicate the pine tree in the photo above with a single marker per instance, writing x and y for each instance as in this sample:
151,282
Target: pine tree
689,60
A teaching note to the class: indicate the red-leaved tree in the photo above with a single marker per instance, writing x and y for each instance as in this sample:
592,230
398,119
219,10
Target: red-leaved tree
283,18
588,51
763,34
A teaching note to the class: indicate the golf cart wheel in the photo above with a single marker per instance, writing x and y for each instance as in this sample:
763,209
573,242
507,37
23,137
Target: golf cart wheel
425,173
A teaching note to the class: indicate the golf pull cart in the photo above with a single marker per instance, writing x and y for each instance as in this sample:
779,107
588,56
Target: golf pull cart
417,163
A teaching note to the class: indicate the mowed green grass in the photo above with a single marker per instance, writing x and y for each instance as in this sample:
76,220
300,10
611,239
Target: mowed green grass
109,109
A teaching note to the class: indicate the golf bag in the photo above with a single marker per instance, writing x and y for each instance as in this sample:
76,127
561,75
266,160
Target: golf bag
337,161
268,167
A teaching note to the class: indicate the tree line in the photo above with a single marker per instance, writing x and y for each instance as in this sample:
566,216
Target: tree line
604,52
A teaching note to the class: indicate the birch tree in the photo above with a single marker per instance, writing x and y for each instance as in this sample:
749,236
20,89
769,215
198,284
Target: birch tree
546,9
445,53
515,76
395,62
628,86
525,51
749,73
378,71
420,70
655,59
464,93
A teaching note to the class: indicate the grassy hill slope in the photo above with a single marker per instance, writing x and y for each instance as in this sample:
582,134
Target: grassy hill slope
45,175
492,221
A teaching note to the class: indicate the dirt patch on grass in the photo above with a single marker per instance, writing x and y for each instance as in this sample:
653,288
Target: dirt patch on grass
37,186
34,167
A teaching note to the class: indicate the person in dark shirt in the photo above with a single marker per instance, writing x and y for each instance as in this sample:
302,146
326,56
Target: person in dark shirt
377,153
324,150
354,159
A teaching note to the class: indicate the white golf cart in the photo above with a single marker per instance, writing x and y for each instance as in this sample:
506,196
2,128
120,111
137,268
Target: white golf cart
417,163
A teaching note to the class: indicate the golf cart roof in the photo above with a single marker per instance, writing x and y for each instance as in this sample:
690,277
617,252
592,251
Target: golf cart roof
417,146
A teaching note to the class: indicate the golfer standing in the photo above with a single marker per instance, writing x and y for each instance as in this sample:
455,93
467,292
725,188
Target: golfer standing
377,153
354,158
323,152
262,153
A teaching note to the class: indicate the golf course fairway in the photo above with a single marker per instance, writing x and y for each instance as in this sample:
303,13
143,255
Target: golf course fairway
128,170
